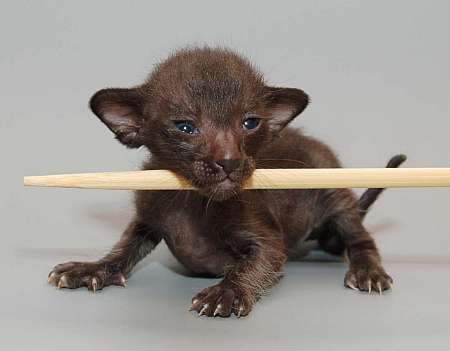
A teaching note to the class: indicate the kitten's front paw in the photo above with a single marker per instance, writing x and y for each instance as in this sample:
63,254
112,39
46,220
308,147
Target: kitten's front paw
93,275
368,279
222,300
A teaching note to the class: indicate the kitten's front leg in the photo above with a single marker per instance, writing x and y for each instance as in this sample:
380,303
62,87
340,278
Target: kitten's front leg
258,267
113,269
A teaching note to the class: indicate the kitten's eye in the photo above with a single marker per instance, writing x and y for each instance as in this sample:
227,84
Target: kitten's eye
251,123
187,127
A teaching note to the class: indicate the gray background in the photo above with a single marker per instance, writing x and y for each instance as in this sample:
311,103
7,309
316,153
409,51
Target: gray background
379,77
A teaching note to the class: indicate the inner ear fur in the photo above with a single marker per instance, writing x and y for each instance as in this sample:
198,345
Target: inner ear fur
121,110
283,105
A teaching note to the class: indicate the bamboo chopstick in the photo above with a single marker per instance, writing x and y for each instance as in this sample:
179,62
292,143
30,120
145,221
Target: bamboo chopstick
261,179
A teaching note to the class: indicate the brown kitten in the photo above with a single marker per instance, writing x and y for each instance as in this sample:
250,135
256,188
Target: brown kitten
208,115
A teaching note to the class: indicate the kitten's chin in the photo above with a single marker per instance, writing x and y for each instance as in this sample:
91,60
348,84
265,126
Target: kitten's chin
222,191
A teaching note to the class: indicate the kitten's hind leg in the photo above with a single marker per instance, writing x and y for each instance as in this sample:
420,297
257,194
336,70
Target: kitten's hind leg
328,239
113,269
345,227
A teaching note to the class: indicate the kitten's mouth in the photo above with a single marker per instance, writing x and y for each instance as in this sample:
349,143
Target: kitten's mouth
222,190
218,184
228,184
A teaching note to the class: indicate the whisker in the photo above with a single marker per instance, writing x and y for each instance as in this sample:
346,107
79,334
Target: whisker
210,199
283,159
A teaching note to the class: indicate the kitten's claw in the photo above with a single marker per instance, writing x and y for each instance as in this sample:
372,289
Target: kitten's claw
217,310
122,280
51,277
380,291
366,280
63,282
202,311
94,284
221,300
94,276
351,286
241,309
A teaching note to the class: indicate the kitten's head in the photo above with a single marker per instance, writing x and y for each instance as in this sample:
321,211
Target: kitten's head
203,113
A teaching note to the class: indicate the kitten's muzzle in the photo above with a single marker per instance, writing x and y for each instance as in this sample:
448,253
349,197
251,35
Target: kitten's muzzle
223,175
229,165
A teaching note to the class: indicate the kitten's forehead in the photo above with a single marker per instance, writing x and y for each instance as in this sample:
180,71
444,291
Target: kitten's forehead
213,82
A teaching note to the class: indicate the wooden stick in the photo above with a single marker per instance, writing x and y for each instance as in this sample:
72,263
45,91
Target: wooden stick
261,179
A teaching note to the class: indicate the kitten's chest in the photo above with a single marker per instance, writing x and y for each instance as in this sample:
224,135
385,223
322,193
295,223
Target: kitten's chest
196,238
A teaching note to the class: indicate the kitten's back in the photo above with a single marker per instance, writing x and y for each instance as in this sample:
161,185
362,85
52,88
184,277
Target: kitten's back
293,149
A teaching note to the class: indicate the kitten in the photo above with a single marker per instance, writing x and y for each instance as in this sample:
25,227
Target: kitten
207,114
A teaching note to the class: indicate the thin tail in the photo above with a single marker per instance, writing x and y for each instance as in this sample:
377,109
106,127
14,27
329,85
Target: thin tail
370,195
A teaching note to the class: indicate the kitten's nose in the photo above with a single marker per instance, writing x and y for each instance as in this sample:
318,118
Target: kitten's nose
228,165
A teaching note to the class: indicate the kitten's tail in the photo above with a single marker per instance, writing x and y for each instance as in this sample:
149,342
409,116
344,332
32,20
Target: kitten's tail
370,195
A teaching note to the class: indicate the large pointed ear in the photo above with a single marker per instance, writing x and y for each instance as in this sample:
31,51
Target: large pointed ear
283,105
121,111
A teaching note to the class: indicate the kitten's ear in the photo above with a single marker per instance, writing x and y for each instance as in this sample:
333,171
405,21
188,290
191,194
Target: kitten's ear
283,105
121,111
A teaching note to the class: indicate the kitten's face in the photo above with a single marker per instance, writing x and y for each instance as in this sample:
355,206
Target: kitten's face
216,156
203,113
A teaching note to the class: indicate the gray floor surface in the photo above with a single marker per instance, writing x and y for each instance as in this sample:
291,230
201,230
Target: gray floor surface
310,309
